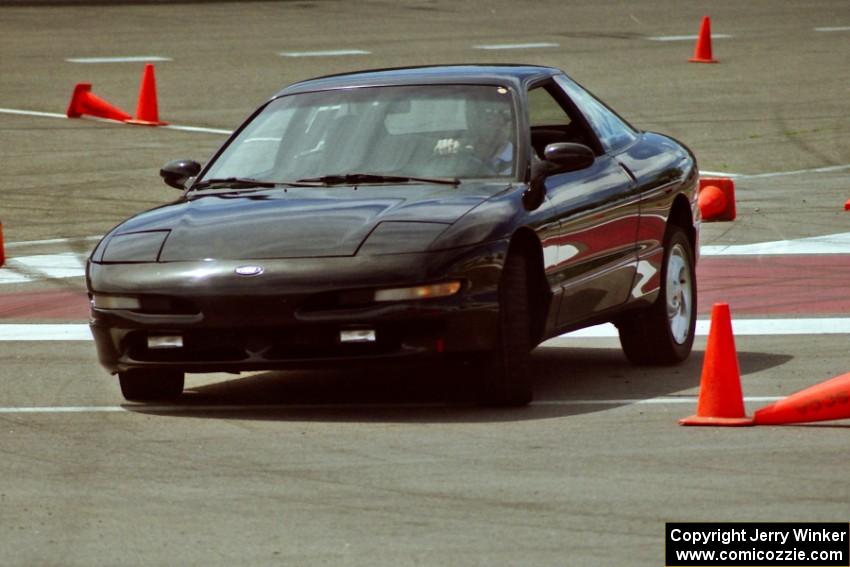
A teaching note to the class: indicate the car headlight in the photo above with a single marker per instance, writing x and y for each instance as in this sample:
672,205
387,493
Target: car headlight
116,302
444,289
134,247
401,237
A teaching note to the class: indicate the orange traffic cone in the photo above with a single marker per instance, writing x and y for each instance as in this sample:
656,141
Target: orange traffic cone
717,199
712,202
821,402
721,401
702,52
147,113
83,101
2,247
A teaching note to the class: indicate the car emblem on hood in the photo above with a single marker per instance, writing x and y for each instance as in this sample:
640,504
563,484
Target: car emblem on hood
250,270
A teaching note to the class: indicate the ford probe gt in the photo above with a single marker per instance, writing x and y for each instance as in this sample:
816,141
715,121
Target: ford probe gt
396,214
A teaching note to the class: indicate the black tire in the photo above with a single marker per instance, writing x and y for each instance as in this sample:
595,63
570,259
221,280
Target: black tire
143,385
656,335
507,380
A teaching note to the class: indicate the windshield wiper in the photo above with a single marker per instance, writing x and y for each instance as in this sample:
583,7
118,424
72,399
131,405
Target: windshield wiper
233,183
238,183
355,178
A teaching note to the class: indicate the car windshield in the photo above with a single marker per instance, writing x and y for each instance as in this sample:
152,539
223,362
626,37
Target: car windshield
415,132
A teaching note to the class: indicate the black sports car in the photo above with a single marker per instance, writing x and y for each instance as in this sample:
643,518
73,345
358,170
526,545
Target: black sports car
401,213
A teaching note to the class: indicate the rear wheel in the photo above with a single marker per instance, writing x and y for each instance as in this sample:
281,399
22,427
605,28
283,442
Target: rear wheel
664,332
142,385
507,380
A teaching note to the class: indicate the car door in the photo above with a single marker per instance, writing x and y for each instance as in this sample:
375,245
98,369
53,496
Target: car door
659,167
597,209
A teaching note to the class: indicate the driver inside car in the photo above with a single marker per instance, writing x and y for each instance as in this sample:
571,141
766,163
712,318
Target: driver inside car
488,138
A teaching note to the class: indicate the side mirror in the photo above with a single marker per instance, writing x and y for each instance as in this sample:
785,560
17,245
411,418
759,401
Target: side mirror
178,172
566,156
560,157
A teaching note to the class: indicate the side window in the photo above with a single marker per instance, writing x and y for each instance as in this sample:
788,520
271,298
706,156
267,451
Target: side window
550,123
611,130
543,110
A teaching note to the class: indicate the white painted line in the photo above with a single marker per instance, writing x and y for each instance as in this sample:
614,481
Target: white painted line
184,408
30,332
197,129
31,113
686,37
45,266
328,53
833,29
96,119
64,409
498,46
827,169
829,244
125,59
718,174
23,243
801,326
741,327
189,408
8,276
55,115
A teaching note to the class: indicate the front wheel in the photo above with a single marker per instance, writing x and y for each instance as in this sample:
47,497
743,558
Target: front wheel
143,385
664,332
507,379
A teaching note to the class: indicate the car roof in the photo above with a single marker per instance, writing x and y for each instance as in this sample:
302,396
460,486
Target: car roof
514,75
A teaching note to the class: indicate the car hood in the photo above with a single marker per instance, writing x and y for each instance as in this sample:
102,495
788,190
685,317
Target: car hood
300,222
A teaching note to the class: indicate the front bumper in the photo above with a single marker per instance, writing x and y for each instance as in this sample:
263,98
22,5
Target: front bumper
292,315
